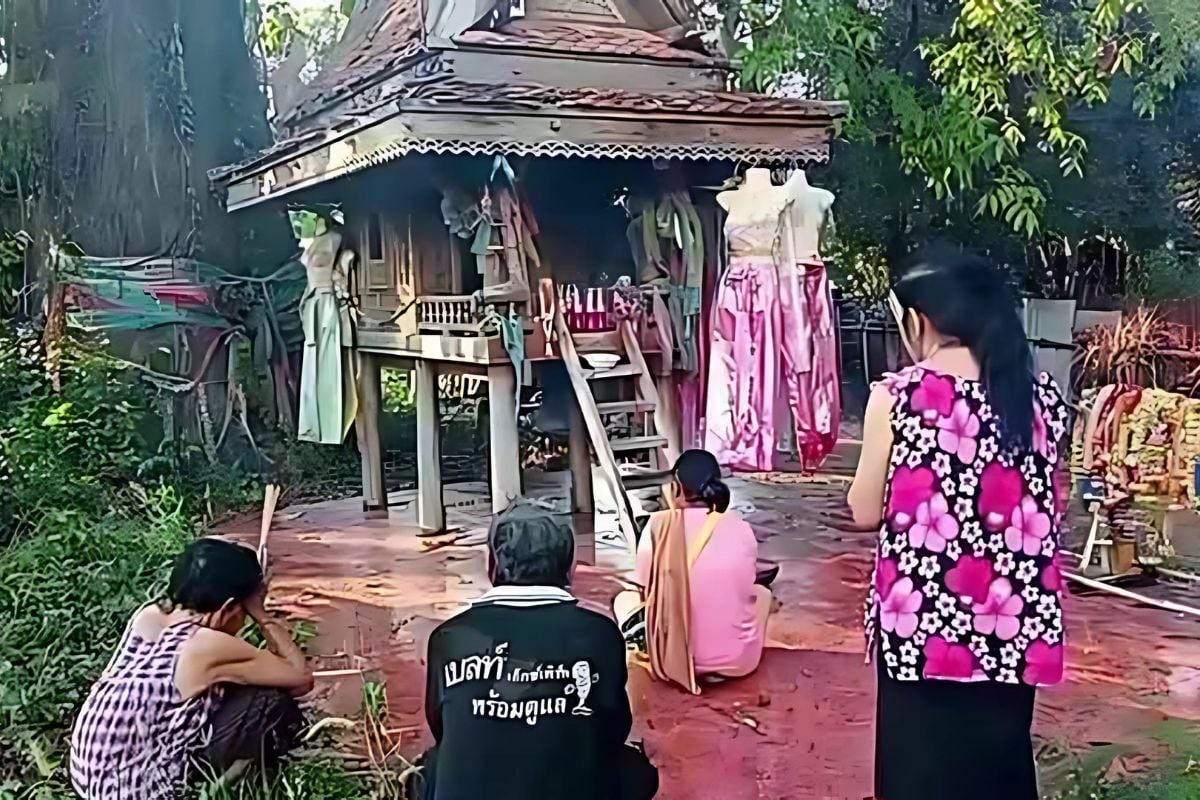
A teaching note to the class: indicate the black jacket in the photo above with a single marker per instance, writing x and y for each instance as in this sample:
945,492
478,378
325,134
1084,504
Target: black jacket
525,696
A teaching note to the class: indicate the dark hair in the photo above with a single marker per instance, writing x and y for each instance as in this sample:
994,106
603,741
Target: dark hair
212,572
966,297
530,546
699,473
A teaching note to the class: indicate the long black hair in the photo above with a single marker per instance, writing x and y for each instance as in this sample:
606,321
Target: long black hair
965,297
699,473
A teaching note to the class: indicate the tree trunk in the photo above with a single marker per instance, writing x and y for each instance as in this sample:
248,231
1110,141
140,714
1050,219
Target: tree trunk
151,95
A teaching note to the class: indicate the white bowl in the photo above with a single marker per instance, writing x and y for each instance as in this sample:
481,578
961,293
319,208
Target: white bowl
601,362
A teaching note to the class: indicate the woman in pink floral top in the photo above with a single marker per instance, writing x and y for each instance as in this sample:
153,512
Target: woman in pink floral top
958,470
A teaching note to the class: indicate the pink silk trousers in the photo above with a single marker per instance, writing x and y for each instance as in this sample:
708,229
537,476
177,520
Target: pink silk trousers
774,344
815,394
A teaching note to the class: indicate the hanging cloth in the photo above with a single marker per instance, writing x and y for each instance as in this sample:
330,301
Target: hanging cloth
512,333
669,597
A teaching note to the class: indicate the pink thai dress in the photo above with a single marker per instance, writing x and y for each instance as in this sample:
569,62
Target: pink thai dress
743,371
773,355
966,584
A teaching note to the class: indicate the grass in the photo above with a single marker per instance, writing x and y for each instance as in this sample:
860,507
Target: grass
67,591
1175,778
307,779
66,594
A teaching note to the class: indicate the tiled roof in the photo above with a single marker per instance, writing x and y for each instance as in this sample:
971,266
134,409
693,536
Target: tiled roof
581,38
675,101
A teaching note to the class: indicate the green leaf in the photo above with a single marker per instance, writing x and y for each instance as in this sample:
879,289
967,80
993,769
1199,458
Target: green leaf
56,416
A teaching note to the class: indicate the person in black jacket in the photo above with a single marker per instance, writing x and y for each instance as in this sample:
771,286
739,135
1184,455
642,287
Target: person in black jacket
525,692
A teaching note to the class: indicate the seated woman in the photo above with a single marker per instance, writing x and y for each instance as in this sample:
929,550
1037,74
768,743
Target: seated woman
697,558
184,699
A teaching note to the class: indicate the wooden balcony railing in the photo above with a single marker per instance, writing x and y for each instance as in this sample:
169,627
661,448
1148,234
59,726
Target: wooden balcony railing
446,314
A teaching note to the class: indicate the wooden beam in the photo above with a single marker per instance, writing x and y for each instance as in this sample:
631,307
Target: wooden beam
495,65
423,126
431,509
370,406
505,446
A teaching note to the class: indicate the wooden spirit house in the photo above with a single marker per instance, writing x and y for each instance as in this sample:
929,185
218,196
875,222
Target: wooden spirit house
524,183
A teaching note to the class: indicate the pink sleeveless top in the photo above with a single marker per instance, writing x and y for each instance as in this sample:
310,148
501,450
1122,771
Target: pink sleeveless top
724,622
966,584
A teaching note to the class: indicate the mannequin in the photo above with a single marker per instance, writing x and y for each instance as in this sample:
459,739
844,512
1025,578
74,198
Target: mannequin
328,385
810,354
756,202
772,332
810,211
746,325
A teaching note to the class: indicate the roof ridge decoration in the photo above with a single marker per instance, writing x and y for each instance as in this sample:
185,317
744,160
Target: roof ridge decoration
385,37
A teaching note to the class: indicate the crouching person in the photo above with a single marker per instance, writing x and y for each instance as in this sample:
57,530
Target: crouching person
525,692
184,700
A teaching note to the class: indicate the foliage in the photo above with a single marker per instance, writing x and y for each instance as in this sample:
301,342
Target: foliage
66,594
860,269
1178,778
399,393
1165,274
319,27
68,452
971,97
304,779
13,246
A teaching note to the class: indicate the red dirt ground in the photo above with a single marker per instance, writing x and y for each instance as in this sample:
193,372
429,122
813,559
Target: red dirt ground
800,728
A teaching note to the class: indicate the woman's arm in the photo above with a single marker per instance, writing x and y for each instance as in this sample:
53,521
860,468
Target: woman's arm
213,657
643,561
867,491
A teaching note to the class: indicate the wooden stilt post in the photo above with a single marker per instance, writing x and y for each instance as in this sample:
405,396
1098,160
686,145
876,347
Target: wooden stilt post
431,509
580,454
370,406
667,417
504,456
583,499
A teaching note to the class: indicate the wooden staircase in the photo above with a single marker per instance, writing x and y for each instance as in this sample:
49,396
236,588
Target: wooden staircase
638,463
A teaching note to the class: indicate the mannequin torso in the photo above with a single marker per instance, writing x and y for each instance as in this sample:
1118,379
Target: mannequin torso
754,211
806,216
756,202
319,259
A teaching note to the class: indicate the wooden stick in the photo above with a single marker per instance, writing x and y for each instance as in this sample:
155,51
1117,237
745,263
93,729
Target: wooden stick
270,500
336,673
1165,605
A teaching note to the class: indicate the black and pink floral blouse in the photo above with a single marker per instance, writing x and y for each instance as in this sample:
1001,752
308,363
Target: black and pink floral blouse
967,585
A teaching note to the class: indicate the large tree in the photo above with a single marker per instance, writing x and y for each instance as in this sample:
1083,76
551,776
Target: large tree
124,105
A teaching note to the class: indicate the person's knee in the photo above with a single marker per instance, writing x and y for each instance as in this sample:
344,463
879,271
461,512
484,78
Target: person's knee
254,723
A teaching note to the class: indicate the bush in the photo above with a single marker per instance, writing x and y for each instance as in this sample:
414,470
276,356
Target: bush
66,594
69,450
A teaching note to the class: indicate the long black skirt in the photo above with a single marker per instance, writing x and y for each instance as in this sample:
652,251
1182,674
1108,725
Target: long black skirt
942,740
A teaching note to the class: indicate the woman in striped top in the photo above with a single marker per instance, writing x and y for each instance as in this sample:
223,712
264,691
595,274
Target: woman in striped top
184,698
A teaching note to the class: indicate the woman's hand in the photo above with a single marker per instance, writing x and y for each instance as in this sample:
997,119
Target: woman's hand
255,604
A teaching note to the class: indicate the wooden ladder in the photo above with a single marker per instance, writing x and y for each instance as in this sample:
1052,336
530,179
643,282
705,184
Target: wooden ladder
648,451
